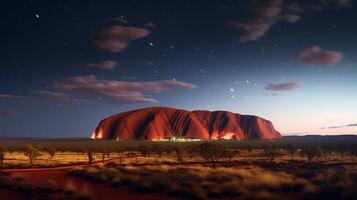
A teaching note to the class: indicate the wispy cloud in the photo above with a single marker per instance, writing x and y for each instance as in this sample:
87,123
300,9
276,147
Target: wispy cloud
150,25
341,126
59,97
10,96
116,38
105,65
263,14
9,113
315,55
259,19
283,86
118,91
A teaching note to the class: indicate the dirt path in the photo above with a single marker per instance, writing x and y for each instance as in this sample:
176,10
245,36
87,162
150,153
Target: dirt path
98,163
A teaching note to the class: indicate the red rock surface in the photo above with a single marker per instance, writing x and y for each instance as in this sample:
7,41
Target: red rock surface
161,122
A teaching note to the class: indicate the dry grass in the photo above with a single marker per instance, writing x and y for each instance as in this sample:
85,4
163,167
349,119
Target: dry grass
206,183
18,159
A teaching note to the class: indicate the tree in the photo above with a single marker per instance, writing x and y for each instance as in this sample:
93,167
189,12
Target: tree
271,153
51,151
193,151
325,151
144,150
311,152
179,152
105,152
3,151
31,152
211,152
229,154
342,150
157,149
90,156
292,149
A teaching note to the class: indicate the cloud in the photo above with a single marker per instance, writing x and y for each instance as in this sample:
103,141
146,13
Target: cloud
315,55
291,18
106,65
150,25
9,113
342,126
116,38
263,14
259,20
121,19
59,97
283,86
272,93
10,96
118,91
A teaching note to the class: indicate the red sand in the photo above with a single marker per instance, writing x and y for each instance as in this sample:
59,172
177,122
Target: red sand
161,122
98,191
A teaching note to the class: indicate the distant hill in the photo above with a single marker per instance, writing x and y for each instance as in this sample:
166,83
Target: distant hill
40,138
337,138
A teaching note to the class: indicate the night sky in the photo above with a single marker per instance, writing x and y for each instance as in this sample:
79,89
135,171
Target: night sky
65,65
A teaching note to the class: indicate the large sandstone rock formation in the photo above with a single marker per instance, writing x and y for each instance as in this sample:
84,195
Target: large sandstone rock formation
155,123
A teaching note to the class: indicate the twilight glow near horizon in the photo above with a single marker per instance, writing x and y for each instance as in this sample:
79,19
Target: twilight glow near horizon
65,65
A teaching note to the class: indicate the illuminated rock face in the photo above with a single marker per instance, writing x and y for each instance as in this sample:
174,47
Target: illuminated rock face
155,123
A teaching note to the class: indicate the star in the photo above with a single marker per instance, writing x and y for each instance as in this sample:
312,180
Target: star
202,71
231,89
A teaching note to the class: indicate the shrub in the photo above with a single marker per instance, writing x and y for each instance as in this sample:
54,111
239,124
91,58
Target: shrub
69,189
84,194
49,186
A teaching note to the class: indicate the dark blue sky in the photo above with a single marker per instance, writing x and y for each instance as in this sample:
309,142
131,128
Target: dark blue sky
65,65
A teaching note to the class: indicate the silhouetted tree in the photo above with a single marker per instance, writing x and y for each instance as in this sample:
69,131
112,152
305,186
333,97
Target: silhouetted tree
179,152
325,151
193,151
211,152
90,156
271,153
311,152
105,152
3,151
229,154
31,152
342,150
51,151
144,150
292,149
158,149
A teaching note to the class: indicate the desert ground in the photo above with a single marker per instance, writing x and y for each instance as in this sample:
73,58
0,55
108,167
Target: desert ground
288,168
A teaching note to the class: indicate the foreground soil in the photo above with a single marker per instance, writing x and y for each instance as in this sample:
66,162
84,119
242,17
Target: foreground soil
38,177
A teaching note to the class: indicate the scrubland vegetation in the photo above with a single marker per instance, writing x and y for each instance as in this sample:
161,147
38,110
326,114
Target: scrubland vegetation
64,152
196,182
221,169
